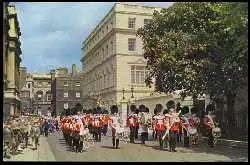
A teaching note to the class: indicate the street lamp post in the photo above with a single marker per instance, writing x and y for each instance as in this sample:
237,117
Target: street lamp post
123,93
52,71
132,91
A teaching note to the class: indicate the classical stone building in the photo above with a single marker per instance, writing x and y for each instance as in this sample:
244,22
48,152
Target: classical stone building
36,93
67,89
11,60
112,56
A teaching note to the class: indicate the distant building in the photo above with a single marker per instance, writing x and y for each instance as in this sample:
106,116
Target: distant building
113,56
66,89
36,93
11,60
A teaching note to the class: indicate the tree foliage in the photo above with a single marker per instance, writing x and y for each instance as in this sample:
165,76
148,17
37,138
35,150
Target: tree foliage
198,47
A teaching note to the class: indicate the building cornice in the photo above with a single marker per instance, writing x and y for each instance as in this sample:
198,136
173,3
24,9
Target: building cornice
112,12
93,33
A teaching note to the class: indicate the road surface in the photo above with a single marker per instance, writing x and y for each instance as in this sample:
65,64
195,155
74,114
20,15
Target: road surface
103,151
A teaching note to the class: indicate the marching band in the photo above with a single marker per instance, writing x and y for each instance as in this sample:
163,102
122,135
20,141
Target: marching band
81,130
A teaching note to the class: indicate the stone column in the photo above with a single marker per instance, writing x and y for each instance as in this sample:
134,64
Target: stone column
12,108
124,112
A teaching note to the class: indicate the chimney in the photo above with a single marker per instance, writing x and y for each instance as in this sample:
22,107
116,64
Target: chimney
74,70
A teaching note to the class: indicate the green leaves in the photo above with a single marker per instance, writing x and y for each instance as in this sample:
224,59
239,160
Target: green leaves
198,47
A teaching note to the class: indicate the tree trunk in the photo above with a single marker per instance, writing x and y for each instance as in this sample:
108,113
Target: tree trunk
230,110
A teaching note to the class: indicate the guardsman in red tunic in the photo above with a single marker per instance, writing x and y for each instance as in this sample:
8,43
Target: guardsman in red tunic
132,123
97,124
158,125
208,123
105,119
172,125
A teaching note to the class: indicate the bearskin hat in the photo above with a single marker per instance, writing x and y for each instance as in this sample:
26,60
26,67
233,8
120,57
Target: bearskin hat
185,110
132,108
142,108
114,109
170,104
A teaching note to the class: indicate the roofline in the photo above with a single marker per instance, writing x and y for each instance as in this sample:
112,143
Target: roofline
102,20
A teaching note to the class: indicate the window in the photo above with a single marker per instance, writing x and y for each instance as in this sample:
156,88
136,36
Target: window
107,50
138,74
65,105
78,84
111,47
28,85
66,94
147,21
48,97
65,84
78,94
131,23
131,44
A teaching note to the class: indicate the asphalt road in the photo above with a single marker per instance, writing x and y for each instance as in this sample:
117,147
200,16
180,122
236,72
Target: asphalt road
103,151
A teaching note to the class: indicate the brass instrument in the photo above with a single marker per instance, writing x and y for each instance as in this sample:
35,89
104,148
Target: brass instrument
216,131
176,119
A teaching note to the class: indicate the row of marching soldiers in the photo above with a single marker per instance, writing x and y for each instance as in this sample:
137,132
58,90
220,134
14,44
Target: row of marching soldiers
81,128
17,130
168,125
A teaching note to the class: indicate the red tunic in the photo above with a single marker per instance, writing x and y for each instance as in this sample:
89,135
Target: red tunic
206,121
97,123
131,121
159,126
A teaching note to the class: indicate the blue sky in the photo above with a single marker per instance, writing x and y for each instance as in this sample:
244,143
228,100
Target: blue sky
52,32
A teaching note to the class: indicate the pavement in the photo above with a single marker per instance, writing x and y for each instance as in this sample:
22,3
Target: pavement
54,148
43,153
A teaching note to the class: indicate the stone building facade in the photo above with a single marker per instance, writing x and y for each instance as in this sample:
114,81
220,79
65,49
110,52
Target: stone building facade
36,93
11,60
113,56
66,89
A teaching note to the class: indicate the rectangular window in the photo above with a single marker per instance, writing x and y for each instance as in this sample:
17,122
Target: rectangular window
131,44
65,94
131,23
65,105
78,94
78,84
65,84
147,21
111,47
29,85
138,74
107,50
49,97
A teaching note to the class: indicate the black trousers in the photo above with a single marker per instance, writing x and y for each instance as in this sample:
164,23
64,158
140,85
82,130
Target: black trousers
46,132
186,139
172,140
97,134
105,129
179,136
163,143
144,137
136,132
115,140
210,138
132,134
154,134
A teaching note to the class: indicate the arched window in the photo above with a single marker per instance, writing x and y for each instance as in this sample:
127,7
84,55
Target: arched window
39,95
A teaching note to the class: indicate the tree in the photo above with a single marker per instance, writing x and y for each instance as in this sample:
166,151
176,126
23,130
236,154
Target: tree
199,48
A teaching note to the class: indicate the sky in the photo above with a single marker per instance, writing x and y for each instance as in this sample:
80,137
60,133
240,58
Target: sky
52,32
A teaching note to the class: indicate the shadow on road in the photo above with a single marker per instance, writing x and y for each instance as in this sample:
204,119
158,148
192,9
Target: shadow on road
108,147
